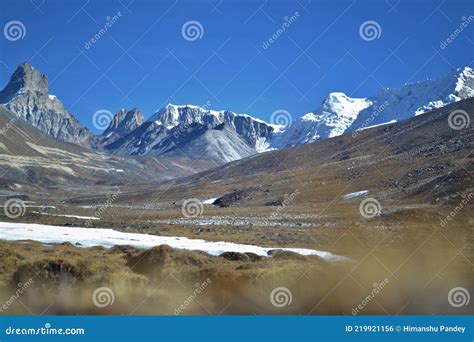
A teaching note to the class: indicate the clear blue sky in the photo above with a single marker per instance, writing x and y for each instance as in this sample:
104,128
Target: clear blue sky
143,60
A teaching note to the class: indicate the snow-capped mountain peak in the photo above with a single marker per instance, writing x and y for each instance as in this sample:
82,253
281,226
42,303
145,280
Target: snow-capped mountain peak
343,105
176,129
222,135
340,113
332,118
416,98
173,115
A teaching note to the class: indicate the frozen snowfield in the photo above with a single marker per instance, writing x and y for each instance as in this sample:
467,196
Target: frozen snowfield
88,237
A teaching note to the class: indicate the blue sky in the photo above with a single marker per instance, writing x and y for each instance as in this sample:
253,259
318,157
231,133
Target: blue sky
144,61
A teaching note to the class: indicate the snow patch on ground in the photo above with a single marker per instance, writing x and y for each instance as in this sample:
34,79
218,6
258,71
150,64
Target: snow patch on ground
381,124
72,216
210,200
355,194
88,237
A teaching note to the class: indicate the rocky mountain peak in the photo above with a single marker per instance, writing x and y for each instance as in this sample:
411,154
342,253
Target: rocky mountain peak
124,122
27,96
174,115
205,134
25,78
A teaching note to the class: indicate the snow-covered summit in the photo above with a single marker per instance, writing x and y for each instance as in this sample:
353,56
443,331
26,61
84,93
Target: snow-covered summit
416,98
177,130
340,113
332,118
173,115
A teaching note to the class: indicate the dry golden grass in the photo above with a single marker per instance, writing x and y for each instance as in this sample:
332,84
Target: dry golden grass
419,260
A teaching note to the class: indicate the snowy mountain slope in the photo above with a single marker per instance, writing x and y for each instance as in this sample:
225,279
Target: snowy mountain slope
193,131
220,144
416,98
332,118
340,113
217,136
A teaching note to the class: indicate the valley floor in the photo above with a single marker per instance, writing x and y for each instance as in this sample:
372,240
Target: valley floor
401,262
395,201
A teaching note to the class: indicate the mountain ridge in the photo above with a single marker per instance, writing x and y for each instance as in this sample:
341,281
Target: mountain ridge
222,136
338,113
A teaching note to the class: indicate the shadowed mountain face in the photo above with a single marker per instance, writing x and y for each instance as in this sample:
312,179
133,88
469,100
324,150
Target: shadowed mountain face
123,123
27,95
